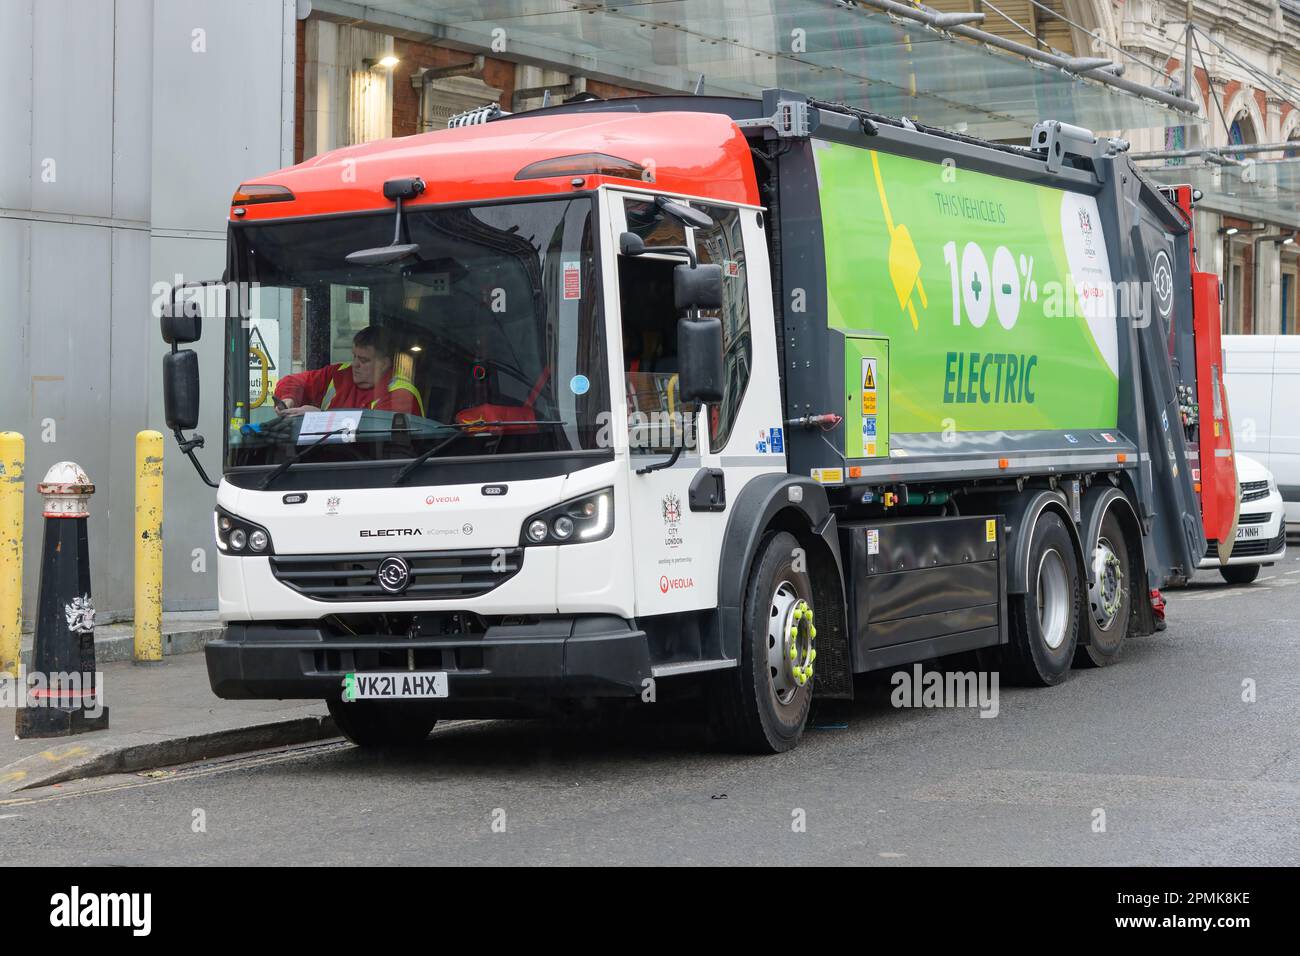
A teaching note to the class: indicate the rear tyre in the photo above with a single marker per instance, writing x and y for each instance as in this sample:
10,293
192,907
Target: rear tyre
762,705
382,723
1240,573
1109,597
1045,620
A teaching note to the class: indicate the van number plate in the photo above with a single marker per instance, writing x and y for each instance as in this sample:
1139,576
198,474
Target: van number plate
397,685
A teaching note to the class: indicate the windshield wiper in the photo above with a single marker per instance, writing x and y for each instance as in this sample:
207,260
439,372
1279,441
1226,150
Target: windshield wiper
298,456
424,456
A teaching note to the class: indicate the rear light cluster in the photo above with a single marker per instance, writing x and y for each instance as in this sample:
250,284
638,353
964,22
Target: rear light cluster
239,536
579,520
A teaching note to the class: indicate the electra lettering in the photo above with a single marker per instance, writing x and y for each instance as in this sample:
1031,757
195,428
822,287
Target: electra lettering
989,378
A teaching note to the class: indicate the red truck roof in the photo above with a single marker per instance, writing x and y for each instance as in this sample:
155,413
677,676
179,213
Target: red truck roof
695,154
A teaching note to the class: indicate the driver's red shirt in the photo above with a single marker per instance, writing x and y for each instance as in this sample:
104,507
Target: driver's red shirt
334,387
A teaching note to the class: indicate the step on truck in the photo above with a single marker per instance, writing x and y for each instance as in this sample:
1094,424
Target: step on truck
736,397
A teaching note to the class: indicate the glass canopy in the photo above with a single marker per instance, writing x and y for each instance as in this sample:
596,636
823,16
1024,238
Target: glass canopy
1264,191
827,49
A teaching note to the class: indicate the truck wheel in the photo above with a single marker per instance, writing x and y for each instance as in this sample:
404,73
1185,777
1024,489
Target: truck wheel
763,703
382,723
1240,573
1045,620
1109,597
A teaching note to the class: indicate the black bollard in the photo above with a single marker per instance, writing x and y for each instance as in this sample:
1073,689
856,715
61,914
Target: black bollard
63,696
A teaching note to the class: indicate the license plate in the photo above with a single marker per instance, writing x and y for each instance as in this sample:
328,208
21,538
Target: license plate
1249,531
395,685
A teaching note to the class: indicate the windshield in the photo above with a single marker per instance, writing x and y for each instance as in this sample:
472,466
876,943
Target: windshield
487,340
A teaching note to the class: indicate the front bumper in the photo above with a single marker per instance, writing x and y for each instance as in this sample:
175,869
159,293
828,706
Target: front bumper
556,657
1268,550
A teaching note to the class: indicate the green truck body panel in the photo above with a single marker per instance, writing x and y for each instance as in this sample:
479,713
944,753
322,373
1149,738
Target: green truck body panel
995,296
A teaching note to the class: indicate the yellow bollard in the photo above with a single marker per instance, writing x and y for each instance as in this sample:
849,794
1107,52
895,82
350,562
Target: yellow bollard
148,545
11,550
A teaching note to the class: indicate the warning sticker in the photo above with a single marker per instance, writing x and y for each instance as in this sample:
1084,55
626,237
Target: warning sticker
991,529
868,386
573,280
873,541
828,476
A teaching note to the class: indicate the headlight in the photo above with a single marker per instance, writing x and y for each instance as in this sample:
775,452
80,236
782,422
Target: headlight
578,520
239,536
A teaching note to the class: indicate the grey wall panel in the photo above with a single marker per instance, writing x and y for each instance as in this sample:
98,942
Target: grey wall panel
68,417
133,334
72,106
132,89
15,286
232,90
16,104
187,502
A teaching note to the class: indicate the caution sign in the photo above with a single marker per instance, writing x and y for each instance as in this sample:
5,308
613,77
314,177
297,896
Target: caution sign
263,347
257,347
868,386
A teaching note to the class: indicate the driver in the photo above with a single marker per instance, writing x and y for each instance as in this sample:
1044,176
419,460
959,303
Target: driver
365,382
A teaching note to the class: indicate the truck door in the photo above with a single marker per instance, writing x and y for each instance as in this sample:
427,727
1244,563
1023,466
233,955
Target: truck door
679,512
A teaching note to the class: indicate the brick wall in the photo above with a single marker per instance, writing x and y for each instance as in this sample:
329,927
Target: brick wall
499,74
299,90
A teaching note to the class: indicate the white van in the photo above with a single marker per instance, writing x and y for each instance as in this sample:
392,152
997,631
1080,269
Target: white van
1261,528
1262,376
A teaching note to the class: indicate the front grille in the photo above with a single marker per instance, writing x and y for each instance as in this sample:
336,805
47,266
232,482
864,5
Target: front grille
435,575
1254,490
1254,517
1253,548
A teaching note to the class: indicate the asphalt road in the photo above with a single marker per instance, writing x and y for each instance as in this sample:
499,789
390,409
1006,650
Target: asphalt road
1185,770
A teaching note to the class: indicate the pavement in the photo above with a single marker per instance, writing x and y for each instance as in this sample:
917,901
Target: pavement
1185,752
183,632
160,714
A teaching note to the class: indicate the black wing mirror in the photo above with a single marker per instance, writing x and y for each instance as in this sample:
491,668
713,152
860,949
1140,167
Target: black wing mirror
181,389
697,287
699,360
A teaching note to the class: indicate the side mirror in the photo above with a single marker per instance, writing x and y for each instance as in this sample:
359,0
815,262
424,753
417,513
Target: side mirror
699,360
685,214
630,244
181,389
697,287
182,319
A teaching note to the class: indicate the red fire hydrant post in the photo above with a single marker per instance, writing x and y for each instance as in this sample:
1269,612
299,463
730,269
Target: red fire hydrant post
63,693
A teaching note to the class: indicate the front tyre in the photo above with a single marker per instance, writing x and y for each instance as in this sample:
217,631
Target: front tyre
1045,620
1240,573
763,703
382,723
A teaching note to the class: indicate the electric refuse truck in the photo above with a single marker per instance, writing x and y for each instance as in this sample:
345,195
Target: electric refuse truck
744,397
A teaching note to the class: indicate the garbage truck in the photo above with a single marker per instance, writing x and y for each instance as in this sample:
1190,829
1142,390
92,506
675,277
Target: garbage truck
737,398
